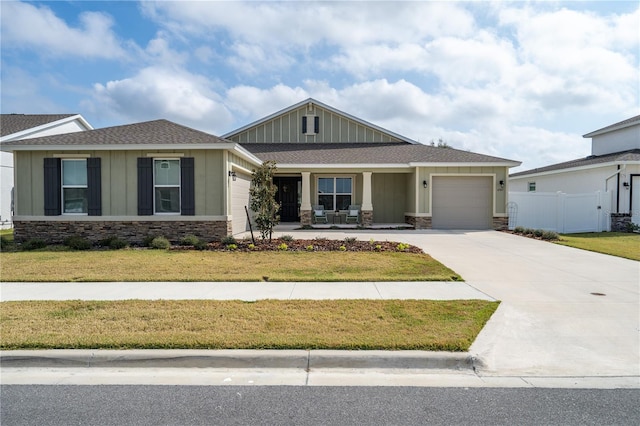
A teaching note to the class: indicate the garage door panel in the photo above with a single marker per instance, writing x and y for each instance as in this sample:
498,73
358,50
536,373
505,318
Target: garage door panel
240,199
462,202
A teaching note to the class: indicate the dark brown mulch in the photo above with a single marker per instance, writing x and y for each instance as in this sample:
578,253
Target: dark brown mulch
317,244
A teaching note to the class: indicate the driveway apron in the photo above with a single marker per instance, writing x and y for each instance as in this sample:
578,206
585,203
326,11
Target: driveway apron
564,311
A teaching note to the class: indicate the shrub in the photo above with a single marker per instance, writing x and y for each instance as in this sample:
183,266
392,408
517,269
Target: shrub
146,241
350,240
228,240
343,248
77,243
117,243
528,231
283,247
190,240
232,247
320,238
402,246
538,233
550,236
160,243
5,243
33,244
287,238
251,246
378,247
309,247
519,230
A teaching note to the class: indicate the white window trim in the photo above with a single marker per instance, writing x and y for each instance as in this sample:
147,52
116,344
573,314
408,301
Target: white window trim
179,212
334,177
63,186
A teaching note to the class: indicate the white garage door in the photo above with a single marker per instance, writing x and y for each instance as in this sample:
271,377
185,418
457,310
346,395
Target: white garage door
240,199
462,202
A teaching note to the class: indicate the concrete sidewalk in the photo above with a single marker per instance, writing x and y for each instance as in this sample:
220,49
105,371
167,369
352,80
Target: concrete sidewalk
248,291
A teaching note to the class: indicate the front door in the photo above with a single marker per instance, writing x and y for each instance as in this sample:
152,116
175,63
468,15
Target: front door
288,196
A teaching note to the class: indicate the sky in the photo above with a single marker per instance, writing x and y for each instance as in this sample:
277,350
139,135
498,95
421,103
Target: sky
521,80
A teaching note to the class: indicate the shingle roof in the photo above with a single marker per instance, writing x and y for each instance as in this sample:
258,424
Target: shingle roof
14,123
158,132
623,156
364,153
619,125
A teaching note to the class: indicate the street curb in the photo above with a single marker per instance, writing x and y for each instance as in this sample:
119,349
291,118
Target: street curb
295,359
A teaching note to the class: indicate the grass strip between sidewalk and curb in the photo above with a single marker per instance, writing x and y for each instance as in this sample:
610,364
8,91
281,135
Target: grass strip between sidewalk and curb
266,324
161,265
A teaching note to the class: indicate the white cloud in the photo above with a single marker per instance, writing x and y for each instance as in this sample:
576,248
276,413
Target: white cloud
25,25
169,93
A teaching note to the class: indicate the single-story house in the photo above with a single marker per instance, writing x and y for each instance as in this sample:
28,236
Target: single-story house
161,178
612,170
25,126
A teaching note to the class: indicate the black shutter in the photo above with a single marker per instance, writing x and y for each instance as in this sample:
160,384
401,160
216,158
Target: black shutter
94,187
145,186
52,187
304,124
187,187
316,124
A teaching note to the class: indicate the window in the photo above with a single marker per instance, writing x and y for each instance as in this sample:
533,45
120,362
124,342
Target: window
532,187
166,186
74,186
335,193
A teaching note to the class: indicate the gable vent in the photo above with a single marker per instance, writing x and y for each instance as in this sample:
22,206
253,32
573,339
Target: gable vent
310,124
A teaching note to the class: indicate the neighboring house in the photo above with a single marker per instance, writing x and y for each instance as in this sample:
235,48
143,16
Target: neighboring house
161,178
327,157
610,177
25,126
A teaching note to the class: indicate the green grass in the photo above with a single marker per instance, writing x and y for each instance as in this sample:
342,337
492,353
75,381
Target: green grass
268,324
619,244
191,265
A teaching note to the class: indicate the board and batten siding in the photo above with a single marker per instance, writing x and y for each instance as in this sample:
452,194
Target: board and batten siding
389,197
119,176
332,128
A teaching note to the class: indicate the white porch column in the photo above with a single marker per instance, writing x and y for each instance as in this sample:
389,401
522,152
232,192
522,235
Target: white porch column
305,203
366,191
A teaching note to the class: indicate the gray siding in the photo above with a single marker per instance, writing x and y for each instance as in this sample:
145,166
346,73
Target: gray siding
389,197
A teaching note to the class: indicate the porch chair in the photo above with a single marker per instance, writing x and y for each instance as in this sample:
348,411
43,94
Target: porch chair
319,214
353,214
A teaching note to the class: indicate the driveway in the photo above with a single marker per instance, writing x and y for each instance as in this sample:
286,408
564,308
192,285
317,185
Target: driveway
564,311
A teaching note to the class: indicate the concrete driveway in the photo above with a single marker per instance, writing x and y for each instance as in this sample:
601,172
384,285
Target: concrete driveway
564,311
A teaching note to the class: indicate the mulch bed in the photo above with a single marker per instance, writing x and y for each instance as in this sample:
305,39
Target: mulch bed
305,245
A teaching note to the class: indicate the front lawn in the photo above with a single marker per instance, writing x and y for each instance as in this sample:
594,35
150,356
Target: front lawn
620,244
266,324
192,265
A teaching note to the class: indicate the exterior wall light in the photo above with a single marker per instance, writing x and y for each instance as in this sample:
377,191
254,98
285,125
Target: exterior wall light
233,175
626,185
425,183
501,183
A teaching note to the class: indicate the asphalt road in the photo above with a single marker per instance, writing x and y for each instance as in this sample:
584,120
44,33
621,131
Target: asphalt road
289,405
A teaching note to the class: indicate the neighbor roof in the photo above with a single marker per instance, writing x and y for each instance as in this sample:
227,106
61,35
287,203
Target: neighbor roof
592,160
14,123
365,153
158,132
616,126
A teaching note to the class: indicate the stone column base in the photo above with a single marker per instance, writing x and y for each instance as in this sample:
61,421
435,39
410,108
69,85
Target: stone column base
305,218
620,222
367,217
501,223
418,222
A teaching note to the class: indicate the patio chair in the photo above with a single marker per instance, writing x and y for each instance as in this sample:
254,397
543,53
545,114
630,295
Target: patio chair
353,215
319,214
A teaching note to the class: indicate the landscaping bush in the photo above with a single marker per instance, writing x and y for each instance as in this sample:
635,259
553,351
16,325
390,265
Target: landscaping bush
550,236
5,243
160,243
287,238
117,243
518,230
146,241
528,231
33,244
538,233
350,240
77,243
190,240
232,247
228,240
283,247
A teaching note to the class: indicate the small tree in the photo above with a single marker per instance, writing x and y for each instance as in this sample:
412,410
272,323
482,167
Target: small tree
263,199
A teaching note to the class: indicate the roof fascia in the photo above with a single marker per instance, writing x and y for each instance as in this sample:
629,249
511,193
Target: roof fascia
576,169
21,134
468,164
610,129
395,165
322,105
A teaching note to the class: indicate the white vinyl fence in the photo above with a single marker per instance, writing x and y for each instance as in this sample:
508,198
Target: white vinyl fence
560,212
